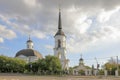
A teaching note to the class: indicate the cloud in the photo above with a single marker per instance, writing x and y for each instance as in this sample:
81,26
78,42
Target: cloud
85,22
49,46
1,40
31,3
6,33
104,16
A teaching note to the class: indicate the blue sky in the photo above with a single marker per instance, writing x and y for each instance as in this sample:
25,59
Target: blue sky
92,27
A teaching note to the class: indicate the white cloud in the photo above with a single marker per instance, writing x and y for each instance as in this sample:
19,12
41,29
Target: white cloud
31,3
38,34
6,33
49,47
1,40
104,16
84,26
86,23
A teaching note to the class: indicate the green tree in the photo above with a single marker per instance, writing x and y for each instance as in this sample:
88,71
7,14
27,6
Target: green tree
71,70
28,67
53,64
3,61
18,65
8,64
34,67
42,64
47,65
111,68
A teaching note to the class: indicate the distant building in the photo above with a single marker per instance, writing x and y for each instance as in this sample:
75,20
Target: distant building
60,45
81,69
29,54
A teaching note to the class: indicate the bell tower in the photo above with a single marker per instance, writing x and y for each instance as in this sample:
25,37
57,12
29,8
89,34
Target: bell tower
60,44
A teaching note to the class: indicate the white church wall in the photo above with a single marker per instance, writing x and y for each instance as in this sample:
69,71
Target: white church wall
30,45
28,59
32,58
62,39
61,51
23,58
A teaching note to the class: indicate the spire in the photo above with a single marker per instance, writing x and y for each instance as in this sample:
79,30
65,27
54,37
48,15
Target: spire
60,32
29,36
29,39
81,55
81,59
59,21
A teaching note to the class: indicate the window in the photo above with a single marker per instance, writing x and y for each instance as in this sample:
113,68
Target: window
59,43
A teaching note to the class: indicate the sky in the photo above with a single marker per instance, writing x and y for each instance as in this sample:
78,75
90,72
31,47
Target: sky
92,28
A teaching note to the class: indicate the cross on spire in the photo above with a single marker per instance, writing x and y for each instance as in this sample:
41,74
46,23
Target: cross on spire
81,55
29,36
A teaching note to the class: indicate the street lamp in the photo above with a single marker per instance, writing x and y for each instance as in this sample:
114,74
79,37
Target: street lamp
110,71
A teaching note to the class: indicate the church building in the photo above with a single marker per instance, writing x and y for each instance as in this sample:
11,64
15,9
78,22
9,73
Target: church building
29,54
82,69
60,45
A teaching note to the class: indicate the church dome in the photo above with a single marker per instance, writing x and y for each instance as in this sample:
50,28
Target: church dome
28,52
81,59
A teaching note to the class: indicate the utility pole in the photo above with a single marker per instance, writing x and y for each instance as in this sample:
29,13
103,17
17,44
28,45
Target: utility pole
117,71
117,63
97,64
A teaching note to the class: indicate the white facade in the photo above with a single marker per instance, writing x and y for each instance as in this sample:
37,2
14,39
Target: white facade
60,45
60,50
30,45
28,59
62,39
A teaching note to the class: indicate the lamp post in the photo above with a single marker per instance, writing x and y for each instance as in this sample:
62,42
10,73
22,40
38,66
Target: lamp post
117,71
110,71
92,69
117,64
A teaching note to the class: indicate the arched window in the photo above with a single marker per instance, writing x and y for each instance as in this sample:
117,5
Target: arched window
59,43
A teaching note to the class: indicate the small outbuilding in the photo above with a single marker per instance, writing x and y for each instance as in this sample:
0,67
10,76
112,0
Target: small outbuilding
81,69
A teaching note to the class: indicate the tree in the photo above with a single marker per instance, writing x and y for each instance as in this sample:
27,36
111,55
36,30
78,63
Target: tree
3,61
71,70
34,67
18,65
111,68
47,65
8,64
42,64
53,64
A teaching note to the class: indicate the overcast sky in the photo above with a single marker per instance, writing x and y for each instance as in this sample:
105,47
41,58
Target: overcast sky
92,27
